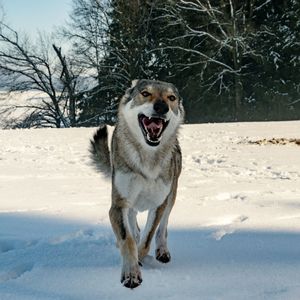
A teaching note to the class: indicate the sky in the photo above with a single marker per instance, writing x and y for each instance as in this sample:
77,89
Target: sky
32,16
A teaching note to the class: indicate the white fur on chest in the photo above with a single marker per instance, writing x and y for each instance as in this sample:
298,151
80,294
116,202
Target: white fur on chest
140,193
150,167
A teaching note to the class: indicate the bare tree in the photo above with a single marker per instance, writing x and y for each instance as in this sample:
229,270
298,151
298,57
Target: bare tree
70,81
219,39
87,31
27,66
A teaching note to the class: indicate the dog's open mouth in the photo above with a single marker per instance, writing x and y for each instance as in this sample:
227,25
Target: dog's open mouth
152,128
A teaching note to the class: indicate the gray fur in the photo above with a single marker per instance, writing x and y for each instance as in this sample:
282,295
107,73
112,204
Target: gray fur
100,152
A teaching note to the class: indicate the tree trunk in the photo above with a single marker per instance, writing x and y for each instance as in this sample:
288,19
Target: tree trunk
67,79
238,91
238,86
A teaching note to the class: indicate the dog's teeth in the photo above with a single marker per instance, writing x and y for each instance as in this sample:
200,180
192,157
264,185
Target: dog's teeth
160,130
149,139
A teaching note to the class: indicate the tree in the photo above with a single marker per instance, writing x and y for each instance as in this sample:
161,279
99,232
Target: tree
115,47
217,40
87,31
232,60
224,53
279,75
34,67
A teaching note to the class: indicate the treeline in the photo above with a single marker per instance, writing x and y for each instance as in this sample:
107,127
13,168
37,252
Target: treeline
232,60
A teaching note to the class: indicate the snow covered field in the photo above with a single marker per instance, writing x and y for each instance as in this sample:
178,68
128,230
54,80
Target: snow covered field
16,105
234,231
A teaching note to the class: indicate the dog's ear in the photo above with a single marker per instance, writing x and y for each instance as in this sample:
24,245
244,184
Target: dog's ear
128,94
134,83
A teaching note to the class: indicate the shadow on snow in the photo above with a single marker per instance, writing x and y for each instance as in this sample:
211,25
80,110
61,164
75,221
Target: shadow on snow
34,246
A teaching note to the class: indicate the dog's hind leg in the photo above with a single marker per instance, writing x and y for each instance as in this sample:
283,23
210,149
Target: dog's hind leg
153,219
131,274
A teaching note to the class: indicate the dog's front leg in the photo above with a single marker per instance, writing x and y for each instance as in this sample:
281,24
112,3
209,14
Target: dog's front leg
162,252
134,225
131,274
153,219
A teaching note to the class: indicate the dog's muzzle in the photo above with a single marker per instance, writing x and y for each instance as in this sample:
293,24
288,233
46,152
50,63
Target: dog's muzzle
152,128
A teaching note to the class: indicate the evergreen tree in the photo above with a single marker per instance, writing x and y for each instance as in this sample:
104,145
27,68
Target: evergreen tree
232,60
276,93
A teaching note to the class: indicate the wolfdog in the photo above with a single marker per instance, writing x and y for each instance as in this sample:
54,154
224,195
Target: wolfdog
144,164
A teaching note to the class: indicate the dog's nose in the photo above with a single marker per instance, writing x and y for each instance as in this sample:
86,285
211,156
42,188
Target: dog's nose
161,107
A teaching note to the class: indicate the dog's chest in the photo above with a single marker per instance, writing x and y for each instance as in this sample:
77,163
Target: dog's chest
139,192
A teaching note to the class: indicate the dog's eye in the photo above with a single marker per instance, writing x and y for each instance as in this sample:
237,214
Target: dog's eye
145,94
172,98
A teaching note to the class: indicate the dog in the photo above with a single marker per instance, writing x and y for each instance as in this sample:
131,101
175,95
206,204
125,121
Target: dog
144,164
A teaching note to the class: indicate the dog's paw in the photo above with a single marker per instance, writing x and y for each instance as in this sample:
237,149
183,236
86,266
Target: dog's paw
163,255
132,281
132,277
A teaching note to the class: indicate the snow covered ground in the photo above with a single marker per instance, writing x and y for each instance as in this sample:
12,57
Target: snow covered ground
234,231
16,105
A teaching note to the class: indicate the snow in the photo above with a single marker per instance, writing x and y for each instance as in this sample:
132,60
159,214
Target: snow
17,105
233,233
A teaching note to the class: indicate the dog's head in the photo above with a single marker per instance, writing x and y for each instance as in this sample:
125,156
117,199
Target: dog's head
153,110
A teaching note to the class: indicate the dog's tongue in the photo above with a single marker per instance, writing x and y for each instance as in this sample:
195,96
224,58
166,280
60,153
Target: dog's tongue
153,126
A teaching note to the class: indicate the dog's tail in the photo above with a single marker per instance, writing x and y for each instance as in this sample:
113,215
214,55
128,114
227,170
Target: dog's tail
100,152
